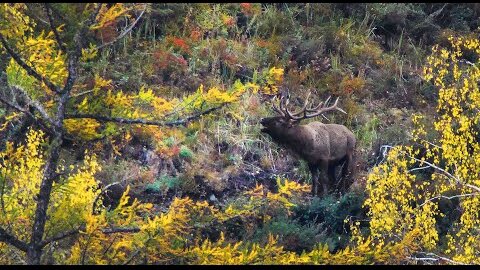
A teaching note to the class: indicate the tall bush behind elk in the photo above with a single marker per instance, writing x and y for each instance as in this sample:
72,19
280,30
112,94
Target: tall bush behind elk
322,146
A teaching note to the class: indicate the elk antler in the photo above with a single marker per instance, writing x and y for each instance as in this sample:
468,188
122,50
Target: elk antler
321,108
276,108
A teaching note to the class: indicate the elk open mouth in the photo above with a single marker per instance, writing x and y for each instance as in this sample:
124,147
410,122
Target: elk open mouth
264,129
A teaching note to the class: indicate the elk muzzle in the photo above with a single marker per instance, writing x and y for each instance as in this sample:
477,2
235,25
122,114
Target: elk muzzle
264,122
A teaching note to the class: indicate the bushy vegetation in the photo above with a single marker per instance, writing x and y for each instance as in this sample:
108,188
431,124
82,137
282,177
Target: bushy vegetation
129,133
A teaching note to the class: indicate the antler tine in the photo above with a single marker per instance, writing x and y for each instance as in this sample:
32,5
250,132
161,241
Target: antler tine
320,105
328,100
287,100
338,108
334,106
326,109
304,108
282,103
294,116
276,108
286,111
320,109
313,109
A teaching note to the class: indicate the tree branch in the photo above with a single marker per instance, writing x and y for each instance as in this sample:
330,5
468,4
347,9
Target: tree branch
15,107
43,121
12,240
74,56
101,193
449,175
142,121
35,104
54,29
82,228
126,31
429,164
61,236
121,230
449,197
30,71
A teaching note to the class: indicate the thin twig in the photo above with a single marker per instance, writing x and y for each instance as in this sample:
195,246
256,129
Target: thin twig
54,29
121,230
419,168
430,164
82,93
14,106
135,254
101,192
448,197
178,108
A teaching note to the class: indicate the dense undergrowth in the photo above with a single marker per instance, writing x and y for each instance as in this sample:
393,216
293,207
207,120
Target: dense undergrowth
218,191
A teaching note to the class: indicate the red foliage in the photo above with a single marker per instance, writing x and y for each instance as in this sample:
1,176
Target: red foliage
167,60
175,150
179,43
246,8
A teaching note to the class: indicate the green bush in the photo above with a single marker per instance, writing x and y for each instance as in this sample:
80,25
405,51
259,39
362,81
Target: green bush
292,235
163,184
331,212
185,152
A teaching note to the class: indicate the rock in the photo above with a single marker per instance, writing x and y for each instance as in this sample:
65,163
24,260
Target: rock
213,198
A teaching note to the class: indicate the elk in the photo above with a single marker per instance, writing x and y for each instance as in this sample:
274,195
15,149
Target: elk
322,146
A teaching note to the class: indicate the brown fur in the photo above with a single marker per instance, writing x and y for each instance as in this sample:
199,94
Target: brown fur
322,146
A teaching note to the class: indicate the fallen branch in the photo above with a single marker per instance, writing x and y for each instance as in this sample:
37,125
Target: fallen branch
436,258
